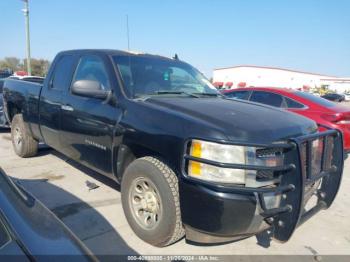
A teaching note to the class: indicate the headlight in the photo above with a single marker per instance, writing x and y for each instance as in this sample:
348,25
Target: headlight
230,154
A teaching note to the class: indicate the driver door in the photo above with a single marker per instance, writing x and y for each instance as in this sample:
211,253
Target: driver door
88,122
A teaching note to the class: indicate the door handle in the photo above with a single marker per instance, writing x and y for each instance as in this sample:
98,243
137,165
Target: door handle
67,108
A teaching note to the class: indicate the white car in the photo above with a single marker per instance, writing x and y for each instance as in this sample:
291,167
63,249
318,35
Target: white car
315,94
347,96
35,79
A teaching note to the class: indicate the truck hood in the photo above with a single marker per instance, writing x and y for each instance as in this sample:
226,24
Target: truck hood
238,121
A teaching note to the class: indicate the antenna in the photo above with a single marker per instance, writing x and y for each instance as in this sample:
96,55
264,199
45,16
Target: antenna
127,31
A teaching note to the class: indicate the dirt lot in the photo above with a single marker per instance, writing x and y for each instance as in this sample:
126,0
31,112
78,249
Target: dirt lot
97,218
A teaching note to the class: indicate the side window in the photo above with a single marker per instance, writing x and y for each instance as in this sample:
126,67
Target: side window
293,104
92,67
4,235
62,73
244,95
266,98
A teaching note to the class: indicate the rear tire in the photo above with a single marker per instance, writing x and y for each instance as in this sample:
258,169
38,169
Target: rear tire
23,143
150,199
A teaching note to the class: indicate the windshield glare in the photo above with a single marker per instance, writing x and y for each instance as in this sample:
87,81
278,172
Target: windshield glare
153,76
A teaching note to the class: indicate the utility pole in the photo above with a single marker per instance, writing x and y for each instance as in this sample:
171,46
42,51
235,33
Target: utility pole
26,18
127,31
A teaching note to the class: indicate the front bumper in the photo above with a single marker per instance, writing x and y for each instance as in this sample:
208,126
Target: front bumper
215,213
211,216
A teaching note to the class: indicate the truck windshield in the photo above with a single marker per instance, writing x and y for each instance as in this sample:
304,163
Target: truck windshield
146,76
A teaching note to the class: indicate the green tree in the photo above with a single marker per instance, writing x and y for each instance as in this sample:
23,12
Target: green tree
39,66
12,63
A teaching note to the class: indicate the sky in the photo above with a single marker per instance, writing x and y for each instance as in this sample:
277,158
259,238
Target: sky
306,35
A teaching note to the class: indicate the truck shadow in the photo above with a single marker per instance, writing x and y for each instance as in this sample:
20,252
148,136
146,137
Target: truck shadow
264,238
81,218
45,150
4,130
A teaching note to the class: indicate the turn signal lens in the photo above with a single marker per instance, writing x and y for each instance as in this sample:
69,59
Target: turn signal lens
194,168
196,149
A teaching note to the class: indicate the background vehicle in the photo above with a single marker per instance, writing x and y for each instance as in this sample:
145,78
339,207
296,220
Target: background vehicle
188,159
5,73
334,97
316,94
3,120
322,111
347,96
28,230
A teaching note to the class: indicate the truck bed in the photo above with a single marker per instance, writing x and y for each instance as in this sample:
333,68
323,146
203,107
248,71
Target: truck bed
23,97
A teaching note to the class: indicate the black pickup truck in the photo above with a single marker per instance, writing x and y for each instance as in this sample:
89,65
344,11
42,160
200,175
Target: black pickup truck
189,160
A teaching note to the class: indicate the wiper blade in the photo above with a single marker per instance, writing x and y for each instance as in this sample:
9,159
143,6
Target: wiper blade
209,94
176,93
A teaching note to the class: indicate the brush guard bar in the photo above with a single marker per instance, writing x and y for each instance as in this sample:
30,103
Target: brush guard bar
297,178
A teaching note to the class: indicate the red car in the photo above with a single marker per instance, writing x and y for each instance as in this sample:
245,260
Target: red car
320,110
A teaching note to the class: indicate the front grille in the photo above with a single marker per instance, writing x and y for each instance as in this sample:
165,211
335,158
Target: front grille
264,175
266,152
303,156
328,158
318,154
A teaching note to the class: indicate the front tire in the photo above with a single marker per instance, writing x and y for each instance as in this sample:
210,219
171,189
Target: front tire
151,203
23,143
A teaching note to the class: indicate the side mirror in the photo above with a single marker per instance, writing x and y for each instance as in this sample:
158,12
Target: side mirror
89,88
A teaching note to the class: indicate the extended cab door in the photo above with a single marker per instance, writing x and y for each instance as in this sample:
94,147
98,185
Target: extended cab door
58,80
88,122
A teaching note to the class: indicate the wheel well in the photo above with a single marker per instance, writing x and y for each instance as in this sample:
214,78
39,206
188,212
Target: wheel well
125,154
12,110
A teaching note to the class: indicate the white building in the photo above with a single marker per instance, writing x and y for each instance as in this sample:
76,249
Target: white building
244,76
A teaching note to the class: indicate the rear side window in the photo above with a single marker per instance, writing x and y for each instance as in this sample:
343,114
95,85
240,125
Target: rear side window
63,73
244,95
92,68
266,98
293,104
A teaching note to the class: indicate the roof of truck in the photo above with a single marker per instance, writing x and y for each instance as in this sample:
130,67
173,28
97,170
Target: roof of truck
112,52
